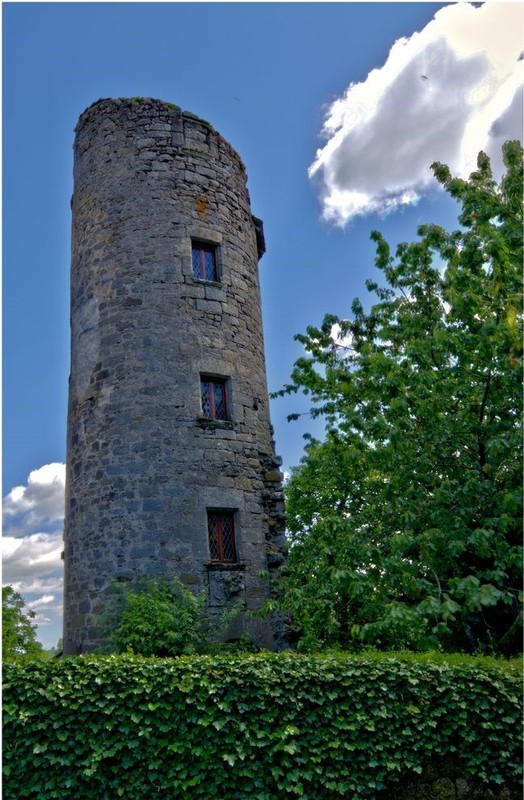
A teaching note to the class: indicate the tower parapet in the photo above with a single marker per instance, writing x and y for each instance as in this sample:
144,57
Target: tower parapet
171,467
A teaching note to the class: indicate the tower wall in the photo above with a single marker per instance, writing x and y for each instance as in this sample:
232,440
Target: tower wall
145,461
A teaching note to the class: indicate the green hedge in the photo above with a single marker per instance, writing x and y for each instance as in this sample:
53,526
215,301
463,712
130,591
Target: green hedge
255,727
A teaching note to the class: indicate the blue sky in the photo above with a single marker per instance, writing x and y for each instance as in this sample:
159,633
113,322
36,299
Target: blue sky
337,126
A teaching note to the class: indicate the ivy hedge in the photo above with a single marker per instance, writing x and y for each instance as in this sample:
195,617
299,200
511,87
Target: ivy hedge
255,727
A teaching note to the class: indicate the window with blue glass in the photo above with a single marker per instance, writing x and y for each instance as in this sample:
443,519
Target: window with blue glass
205,262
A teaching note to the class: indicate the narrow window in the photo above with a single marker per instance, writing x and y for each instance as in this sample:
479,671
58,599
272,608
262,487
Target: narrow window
221,532
205,265
214,397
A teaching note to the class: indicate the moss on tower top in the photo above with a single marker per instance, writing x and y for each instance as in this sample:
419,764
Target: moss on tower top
154,104
99,104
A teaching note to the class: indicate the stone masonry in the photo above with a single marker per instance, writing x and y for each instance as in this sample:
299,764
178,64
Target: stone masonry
146,463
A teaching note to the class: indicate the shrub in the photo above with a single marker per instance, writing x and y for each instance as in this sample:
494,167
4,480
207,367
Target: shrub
160,617
259,726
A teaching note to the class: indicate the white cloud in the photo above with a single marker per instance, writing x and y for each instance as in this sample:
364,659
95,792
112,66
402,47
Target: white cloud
37,555
31,555
38,504
32,565
40,619
48,610
42,601
445,93
36,585
343,339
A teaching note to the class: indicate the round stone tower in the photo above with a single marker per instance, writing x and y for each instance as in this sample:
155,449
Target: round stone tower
170,460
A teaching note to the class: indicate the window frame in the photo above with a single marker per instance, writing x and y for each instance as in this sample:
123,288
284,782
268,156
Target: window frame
217,516
215,380
201,246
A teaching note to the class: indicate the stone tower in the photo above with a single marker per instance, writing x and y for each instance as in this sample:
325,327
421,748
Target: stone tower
170,460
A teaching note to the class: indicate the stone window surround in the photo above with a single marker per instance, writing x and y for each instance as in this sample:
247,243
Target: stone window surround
232,515
224,566
204,257
223,499
218,380
205,236
217,368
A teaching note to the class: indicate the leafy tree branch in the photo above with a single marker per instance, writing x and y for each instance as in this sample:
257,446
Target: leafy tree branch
406,520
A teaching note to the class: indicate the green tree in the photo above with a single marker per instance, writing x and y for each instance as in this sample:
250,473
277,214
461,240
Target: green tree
18,630
160,617
405,521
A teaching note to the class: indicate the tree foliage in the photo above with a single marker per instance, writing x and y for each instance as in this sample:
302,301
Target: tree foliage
18,629
160,617
406,520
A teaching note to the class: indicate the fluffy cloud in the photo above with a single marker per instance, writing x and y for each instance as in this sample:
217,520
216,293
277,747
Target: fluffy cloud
445,93
37,555
32,546
38,585
43,601
38,504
